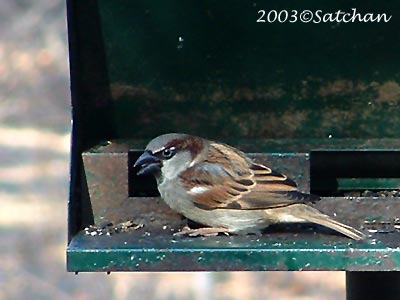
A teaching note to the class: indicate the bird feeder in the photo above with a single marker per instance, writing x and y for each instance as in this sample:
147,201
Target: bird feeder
319,102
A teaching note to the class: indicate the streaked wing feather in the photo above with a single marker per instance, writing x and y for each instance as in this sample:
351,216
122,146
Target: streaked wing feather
231,180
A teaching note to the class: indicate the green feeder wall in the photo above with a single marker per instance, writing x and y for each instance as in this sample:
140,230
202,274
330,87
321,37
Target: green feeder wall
319,102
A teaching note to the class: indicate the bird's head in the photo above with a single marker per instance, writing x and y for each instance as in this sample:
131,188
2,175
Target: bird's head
170,154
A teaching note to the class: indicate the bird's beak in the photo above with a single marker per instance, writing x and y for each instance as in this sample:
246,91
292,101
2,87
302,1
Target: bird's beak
148,164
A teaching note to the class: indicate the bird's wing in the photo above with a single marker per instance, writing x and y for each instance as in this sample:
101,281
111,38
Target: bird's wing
227,178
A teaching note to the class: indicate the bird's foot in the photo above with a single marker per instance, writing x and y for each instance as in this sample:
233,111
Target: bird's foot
205,231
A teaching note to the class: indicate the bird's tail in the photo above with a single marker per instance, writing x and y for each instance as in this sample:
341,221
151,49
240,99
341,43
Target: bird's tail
312,215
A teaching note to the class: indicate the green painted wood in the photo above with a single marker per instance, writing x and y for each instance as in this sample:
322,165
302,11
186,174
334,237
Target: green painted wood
146,67
135,252
351,184
150,67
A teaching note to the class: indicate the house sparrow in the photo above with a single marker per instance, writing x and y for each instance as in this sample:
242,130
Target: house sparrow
220,187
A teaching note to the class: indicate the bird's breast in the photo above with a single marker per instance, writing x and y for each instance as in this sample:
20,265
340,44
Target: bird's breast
180,200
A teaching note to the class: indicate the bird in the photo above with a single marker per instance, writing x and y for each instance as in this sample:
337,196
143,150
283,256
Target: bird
221,188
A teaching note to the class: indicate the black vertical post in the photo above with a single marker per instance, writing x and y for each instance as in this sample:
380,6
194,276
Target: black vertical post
372,285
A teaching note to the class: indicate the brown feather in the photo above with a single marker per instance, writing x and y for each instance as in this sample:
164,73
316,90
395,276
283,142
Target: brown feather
192,144
232,180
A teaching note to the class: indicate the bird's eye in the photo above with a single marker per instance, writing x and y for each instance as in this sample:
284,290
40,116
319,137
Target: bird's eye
168,152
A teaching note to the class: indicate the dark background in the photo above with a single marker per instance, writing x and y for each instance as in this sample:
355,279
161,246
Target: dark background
208,68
